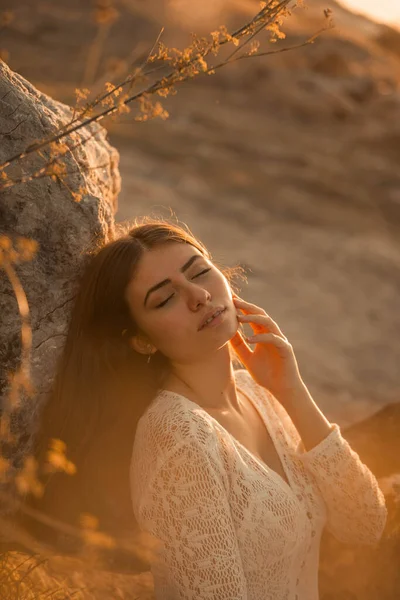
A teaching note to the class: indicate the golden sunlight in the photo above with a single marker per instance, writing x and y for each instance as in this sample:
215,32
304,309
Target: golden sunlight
385,11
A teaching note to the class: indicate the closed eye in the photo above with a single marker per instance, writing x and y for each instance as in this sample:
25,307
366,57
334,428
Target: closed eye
198,275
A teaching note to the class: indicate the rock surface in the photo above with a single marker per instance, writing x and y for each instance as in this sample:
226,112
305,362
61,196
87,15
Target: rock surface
46,211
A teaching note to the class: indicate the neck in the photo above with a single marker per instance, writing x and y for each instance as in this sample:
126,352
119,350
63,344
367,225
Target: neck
210,382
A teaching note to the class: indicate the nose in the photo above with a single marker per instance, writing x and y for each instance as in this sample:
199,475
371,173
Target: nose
197,296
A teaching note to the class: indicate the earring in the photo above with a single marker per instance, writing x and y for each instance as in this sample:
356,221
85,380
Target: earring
149,357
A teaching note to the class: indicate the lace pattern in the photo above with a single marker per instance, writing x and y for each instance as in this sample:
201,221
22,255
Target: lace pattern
229,526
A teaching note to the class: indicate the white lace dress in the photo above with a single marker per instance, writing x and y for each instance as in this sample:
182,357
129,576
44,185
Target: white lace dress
230,527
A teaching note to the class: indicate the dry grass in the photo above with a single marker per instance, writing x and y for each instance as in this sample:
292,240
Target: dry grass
26,577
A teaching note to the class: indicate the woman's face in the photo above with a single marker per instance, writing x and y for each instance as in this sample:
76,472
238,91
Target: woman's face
174,288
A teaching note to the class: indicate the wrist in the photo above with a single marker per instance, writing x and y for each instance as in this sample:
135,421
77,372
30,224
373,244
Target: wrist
307,417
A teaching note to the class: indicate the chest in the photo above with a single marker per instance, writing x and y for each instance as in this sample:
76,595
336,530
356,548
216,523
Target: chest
251,432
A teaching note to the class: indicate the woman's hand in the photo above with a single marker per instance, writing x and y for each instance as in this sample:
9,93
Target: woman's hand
272,364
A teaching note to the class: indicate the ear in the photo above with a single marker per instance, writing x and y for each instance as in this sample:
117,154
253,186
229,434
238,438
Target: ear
140,344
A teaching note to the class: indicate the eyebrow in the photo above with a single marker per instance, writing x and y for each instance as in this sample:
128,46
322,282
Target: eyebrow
166,281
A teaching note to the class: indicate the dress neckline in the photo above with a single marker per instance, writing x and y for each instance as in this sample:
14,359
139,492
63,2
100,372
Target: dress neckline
275,442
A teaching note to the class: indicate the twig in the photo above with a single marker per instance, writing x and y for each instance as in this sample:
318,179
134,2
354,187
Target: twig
266,13
129,79
26,333
309,41
43,171
274,13
42,174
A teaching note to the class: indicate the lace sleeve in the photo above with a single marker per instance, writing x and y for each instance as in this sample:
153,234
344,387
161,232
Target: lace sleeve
186,508
356,505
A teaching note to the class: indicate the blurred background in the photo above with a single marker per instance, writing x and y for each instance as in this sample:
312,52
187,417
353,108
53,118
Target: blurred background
286,164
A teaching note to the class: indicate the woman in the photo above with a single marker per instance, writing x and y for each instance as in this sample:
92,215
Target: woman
235,472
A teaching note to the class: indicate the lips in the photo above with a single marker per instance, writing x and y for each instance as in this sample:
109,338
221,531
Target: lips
209,314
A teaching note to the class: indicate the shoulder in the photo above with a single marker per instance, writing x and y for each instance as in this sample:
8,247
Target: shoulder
169,421
171,430
175,415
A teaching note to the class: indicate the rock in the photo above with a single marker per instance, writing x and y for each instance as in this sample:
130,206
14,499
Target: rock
64,228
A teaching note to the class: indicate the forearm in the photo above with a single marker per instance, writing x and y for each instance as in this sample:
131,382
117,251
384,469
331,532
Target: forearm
356,509
308,419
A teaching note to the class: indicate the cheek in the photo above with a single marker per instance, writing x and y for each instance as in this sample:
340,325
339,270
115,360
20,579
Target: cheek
169,328
227,286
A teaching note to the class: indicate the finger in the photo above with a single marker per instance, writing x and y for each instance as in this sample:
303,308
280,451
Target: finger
247,307
269,338
258,322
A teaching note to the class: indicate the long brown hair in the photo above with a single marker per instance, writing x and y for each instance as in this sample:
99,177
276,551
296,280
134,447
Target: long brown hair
102,385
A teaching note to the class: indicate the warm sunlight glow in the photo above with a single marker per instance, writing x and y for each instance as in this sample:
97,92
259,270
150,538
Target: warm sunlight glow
384,11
